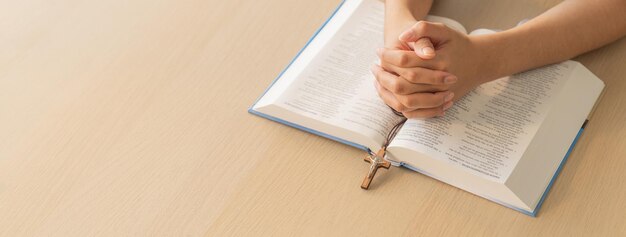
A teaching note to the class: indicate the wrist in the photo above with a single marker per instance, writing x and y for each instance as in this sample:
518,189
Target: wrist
393,29
401,15
395,24
493,56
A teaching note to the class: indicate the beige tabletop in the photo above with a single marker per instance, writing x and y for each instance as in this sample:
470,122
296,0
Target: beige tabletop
129,118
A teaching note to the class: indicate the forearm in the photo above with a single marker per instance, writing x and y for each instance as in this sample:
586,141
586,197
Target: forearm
402,14
563,32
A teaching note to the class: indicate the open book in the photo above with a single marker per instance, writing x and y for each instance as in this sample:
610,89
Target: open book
504,141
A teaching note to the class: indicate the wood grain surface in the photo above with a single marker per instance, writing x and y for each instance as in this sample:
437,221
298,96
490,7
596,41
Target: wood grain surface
129,118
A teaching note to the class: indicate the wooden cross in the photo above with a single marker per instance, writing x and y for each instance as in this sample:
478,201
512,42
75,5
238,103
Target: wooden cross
377,161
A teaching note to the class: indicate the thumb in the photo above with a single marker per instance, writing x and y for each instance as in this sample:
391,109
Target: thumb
436,32
424,48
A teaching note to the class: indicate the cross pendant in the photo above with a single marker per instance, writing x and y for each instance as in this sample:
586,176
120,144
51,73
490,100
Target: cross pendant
377,161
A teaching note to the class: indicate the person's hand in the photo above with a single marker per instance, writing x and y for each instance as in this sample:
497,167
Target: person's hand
423,88
426,51
419,93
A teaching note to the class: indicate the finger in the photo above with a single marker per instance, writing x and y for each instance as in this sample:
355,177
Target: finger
435,31
414,81
428,113
404,58
425,100
419,75
424,48
389,98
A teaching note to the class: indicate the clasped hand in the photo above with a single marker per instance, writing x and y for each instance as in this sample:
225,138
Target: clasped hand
440,66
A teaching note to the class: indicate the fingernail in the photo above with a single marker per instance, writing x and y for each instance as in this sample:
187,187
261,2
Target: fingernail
373,69
450,80
379,52
428,51
449,97
447,105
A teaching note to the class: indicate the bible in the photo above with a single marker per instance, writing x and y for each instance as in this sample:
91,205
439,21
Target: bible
505,141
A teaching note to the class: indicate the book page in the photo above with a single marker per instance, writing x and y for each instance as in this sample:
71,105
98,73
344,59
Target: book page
488,130
337,86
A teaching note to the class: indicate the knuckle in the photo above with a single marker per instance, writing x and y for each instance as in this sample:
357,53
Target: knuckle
384,57
442,65
396,87
411,76
406,101
399,106
432,100
394,105
420,26
424,40
378,74
403,59
409,102
383,65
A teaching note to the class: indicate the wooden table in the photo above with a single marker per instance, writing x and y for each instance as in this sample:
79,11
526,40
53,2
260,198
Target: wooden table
128,118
